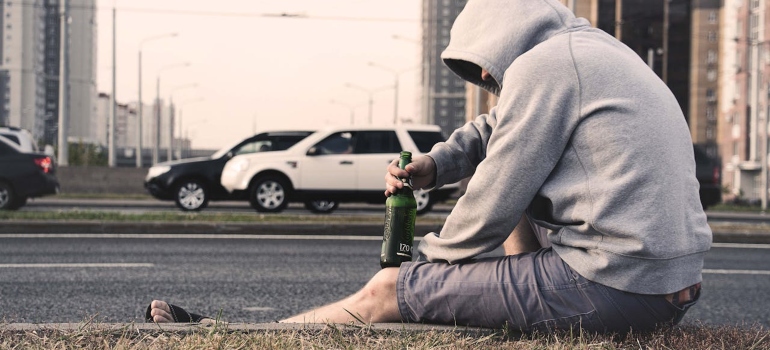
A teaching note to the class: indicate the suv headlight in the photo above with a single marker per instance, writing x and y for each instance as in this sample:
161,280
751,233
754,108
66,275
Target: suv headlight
238,165
157,171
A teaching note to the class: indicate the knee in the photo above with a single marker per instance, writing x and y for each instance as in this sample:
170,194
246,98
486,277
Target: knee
382,286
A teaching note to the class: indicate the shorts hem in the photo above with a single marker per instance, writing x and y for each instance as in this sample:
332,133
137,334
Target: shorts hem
403,310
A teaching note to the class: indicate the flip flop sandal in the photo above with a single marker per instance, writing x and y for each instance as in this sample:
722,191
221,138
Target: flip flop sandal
179,314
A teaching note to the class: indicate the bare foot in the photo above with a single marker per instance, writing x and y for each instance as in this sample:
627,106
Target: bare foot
161,312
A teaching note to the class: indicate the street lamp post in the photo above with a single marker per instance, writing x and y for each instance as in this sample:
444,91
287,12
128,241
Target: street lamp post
396,74
171,112
139,101
370,92
425,64
156,147
371,97
395,86
352,110
181,144
64,84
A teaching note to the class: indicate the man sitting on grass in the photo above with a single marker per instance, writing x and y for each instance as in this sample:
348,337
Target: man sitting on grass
584,172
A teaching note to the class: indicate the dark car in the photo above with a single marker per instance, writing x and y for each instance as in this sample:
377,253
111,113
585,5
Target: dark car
708,170
192,183
24,175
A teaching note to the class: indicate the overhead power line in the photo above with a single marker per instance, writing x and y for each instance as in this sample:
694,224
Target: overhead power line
207,13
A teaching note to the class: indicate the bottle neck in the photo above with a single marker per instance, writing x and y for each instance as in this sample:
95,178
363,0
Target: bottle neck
406,191
402,162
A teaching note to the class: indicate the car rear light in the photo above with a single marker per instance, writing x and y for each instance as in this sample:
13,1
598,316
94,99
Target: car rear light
45,164
717,175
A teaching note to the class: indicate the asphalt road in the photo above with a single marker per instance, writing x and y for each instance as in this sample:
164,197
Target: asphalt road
253,279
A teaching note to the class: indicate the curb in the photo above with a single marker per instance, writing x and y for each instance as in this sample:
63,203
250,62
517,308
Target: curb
756,233
315,228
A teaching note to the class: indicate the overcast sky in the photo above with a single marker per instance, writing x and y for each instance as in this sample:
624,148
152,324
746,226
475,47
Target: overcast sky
250,68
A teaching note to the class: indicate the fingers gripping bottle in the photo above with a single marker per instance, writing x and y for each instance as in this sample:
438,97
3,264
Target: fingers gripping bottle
400,215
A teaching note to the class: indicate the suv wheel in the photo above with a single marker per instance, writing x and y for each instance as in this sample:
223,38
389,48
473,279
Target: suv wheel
269,194
424,202
8,200
321,206
191,195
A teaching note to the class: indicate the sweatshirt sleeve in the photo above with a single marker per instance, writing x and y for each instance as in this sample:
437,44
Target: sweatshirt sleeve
514,150
457,158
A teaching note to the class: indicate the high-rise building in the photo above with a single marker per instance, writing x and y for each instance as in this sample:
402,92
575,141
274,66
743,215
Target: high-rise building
704,75
744,94
82,64
443,92
30,61
52,37
22,103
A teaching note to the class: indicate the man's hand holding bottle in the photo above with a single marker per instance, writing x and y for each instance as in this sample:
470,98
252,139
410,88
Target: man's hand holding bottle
422,170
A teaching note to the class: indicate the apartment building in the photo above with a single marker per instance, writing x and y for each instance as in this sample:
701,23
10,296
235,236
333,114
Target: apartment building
22,102
82,63
30,62
744,94
443,92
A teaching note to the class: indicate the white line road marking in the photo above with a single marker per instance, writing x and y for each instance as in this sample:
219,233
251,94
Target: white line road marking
736,272
740,245
5,266
195,236
258,309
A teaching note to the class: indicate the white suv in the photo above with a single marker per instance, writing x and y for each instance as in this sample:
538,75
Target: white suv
21,137
333,165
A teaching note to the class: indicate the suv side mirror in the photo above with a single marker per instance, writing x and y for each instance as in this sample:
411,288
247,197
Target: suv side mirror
313,151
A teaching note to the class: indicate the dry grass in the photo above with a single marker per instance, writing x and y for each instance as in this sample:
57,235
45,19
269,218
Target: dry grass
336,337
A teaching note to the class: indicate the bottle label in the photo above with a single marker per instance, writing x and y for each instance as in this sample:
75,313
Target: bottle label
399,231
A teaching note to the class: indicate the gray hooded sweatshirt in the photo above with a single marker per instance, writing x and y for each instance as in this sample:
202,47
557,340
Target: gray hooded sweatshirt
585,139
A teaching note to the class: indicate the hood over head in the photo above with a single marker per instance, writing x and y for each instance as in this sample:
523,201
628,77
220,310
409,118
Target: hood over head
491,34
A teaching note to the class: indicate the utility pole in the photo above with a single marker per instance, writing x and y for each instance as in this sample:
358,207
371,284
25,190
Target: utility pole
64,77
170,149
139,107
666,26
113,99
619,20
763,172
158,110
139,103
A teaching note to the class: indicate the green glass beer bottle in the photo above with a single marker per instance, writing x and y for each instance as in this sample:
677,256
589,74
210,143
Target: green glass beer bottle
400,215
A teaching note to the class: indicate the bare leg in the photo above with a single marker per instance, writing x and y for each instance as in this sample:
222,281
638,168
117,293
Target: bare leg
522,239
376,302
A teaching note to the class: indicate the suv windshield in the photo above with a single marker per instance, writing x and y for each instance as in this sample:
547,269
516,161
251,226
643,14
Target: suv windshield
265,142
424,140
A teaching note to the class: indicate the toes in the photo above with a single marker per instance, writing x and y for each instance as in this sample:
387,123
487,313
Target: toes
160,311
160,304
159,315
160,319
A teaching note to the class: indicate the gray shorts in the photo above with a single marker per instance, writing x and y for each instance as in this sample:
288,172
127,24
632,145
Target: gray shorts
529,292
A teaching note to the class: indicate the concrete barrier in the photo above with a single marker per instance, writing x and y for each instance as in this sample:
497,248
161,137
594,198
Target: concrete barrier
97,179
